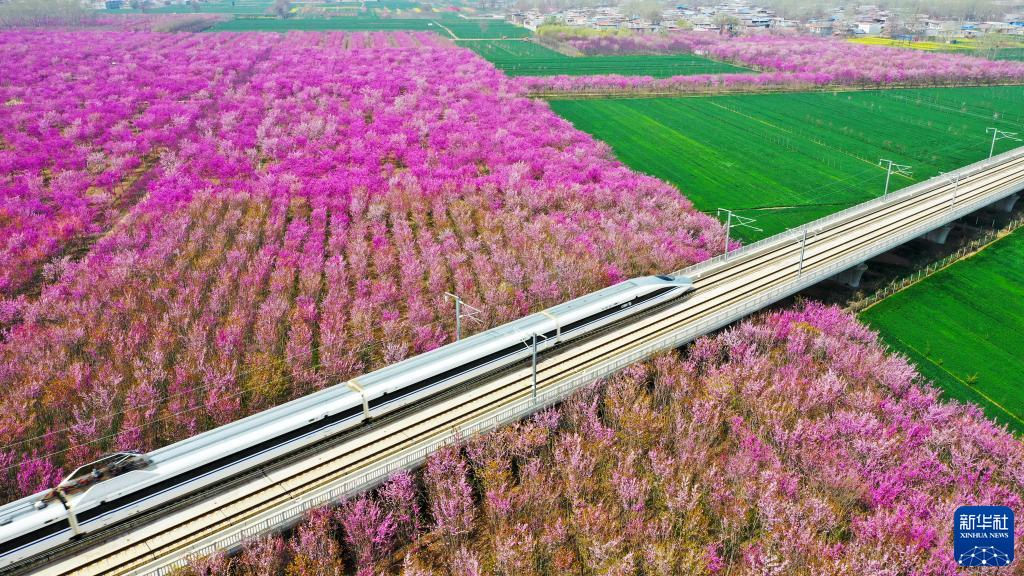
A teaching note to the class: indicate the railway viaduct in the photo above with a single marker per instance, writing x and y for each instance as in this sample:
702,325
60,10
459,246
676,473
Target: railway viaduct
727,288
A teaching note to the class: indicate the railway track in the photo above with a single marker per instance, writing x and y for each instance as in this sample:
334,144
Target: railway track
727,288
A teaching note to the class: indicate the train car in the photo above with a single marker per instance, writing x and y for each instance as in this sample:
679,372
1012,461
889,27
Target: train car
39,522
409,381
123,485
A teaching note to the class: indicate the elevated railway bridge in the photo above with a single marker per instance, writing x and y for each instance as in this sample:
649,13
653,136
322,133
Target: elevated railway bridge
724,289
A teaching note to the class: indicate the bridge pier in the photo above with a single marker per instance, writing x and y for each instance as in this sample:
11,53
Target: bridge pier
939,235
851,277
1006,204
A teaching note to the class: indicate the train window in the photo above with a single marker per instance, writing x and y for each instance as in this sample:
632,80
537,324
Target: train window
666,278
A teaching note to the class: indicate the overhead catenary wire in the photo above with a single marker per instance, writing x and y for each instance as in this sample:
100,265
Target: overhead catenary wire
277,362
869,174
939,106
847,182
166,416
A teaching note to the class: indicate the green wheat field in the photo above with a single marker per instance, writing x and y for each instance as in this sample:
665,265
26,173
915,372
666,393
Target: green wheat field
786,159
522,58
964,328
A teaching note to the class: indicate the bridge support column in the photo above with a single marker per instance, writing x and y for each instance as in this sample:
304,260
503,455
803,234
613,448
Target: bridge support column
939,235
1006,204
851,277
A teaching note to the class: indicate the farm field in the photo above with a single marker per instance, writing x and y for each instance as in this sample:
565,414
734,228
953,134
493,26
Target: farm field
236,7
786,159
444,25
518,58
1013,50
960,46
1010,54
355,24
261,6
466,28
972,348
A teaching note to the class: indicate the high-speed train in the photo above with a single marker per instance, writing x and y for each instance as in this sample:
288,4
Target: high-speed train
122,485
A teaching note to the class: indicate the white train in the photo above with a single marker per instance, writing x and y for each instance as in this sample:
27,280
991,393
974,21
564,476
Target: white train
122,485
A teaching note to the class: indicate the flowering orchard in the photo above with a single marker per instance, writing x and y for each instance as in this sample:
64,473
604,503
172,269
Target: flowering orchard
790,445
155,22
290,220
611,44
787,62
85,115
610,84
836,61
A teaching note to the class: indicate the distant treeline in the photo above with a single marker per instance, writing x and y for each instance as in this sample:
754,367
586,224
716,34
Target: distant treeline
802,9
16,13
952,9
